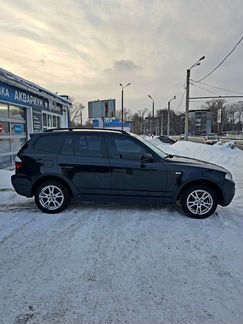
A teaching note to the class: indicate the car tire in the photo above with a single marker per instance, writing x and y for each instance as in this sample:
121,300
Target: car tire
199,201
52,197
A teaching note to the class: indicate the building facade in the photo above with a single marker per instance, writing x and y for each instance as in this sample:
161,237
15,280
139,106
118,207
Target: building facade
26,108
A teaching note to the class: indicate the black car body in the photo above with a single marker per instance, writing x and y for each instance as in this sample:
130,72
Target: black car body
166,139
108,165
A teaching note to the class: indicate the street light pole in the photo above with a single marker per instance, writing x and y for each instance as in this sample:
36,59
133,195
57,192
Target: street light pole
122,107
168,119
188,71
143,120
153,130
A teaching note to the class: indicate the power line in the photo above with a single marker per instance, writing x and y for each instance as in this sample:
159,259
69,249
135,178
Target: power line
182,96
221,61
204,89
209,85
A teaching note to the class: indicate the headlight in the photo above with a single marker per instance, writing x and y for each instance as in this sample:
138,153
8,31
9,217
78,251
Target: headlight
228,176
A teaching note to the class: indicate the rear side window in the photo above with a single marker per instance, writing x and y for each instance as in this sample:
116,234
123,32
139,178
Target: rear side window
83,145
49,144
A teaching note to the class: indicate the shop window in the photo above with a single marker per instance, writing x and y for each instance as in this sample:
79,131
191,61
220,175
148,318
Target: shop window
51,121
17,143
5,145
44,120
5,161
58,122
4,128
17,129
16,113
12,133
54,121
3,111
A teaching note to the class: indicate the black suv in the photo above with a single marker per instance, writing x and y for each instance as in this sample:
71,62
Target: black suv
110,165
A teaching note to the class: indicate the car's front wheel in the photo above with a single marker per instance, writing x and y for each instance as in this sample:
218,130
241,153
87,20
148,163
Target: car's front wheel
52,197
199,201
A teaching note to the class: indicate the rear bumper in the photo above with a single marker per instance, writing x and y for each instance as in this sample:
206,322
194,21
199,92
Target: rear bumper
228,192
22,185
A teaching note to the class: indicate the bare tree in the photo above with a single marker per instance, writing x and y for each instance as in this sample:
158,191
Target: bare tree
126,114
76,113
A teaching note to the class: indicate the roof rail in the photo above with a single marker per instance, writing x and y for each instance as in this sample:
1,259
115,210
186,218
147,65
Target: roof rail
71,129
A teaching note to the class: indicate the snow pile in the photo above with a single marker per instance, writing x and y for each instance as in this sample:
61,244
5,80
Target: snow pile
5,179
222,155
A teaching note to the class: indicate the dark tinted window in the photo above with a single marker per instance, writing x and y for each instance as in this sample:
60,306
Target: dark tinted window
49,144
90,146
68,147
123,148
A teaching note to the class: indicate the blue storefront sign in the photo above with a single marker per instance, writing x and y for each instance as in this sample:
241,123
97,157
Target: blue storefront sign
18,128
12,94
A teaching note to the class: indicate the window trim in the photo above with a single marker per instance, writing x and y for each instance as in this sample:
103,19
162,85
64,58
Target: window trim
132,139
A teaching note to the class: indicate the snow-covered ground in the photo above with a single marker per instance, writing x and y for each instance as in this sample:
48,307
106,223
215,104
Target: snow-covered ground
105,263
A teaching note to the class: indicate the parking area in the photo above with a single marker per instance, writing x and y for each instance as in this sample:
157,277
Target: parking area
112,263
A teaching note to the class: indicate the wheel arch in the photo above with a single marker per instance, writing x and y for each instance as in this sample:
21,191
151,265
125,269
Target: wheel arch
206,182
49,178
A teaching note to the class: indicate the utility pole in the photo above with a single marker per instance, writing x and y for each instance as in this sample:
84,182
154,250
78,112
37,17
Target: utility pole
162,122
187,103
81,107
122,107
188,71
168,119
153,130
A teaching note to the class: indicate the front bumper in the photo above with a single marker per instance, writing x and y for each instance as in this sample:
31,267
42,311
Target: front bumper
22,185
228,190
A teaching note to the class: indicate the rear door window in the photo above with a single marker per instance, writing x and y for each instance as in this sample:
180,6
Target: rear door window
68,147
90,146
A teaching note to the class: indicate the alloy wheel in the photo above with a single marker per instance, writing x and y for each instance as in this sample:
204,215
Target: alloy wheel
199,202
51,197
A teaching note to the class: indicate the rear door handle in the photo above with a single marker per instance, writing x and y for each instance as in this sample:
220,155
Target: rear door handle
67,167
120,170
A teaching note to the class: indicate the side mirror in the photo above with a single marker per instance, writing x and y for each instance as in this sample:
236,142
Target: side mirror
147,157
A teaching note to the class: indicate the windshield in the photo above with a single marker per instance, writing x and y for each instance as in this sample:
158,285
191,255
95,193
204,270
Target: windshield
150,145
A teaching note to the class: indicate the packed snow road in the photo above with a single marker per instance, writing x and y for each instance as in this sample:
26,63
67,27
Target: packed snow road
110,263
107,263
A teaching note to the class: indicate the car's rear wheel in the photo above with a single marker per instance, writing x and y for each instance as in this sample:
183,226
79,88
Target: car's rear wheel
52,197
199,201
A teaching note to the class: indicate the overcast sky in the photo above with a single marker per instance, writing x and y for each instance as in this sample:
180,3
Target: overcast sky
87,48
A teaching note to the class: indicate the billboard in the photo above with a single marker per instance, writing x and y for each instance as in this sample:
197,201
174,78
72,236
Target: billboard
111,124
102,108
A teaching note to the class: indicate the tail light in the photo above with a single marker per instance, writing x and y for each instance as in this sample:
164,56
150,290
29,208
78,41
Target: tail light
18,164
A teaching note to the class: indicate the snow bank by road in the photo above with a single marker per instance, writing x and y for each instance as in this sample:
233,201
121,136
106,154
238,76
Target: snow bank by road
5,179
220,154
